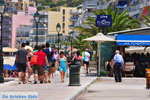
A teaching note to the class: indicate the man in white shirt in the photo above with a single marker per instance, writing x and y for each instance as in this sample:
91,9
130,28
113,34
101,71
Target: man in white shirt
86,59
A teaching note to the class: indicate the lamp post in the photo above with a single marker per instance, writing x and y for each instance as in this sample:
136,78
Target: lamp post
71,37
37,20
58,29
2,11
66,47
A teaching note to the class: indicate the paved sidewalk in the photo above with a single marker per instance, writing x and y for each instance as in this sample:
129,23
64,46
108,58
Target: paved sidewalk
107,89
53,91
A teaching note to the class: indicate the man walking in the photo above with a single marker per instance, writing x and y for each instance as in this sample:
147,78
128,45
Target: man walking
49,53
22,59
30,54
38,69
86,59
118,63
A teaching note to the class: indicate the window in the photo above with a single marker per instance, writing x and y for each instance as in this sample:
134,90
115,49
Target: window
63,18
63,25
63,31
63,11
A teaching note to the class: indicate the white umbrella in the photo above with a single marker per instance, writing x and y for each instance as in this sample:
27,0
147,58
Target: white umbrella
99,38
10,49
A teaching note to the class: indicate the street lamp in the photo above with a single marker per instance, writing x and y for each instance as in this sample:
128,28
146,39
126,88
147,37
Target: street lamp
71,37
2,11
37,20
58,29
66,47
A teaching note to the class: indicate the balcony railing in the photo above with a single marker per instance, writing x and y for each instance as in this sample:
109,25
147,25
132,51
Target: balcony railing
22,35
75,12
74,19
71,26
39,33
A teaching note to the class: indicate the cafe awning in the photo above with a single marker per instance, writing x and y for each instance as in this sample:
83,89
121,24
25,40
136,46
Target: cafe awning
133,40
10,49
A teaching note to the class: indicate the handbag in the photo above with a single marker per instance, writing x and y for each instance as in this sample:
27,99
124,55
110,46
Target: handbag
33,60
84,56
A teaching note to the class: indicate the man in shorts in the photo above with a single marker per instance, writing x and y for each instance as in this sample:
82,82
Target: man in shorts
86,59
38,69
30,54
50,56
22,59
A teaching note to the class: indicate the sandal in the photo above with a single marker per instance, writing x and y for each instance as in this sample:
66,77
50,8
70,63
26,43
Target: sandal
49,81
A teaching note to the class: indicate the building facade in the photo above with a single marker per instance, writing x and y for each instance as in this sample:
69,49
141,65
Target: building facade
18,5
61,16
7,31
23,34
21,18
42,29
135,7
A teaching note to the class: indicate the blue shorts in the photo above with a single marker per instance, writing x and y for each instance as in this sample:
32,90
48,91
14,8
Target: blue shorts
62,69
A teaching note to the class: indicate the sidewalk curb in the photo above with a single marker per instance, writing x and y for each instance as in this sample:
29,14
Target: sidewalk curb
83,88
10,82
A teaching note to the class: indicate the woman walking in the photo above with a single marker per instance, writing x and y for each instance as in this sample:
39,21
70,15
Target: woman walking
62,65
78,59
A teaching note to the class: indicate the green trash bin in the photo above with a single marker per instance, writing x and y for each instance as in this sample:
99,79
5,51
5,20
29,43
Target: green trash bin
74,78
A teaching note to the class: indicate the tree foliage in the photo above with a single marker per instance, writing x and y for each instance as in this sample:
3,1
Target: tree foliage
120,21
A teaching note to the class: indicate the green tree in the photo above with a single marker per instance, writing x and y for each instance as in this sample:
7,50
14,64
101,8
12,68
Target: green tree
120,21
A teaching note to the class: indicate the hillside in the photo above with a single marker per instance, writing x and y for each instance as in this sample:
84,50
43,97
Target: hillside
56,3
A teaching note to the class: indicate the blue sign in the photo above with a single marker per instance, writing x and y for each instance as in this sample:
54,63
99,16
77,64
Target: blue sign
103,21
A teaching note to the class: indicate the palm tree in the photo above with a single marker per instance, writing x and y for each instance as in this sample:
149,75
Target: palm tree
120,21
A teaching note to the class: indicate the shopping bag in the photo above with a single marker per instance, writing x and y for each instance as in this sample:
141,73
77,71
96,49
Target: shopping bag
67,73
56,74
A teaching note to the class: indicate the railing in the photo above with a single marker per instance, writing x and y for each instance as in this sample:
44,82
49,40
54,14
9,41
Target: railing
73,18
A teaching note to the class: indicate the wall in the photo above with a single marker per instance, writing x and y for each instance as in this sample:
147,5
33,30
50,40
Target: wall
21,19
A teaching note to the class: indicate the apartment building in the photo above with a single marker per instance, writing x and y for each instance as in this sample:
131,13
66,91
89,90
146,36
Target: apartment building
12,6
61,16
135,7
21,18
42,29
7,30
22,34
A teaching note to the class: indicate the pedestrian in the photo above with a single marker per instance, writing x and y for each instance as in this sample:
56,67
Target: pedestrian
63,65
30,54
51,68
38,69
118,65
56,56
86,59
22,60
78,59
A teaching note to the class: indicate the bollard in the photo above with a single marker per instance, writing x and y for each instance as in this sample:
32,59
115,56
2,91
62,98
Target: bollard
148,78
74,78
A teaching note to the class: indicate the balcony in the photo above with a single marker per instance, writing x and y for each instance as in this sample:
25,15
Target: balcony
6,36
75,12
39,26
71,26
102,7
122,4
39,33
92,2
23,35
72,19
43,20
7,21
